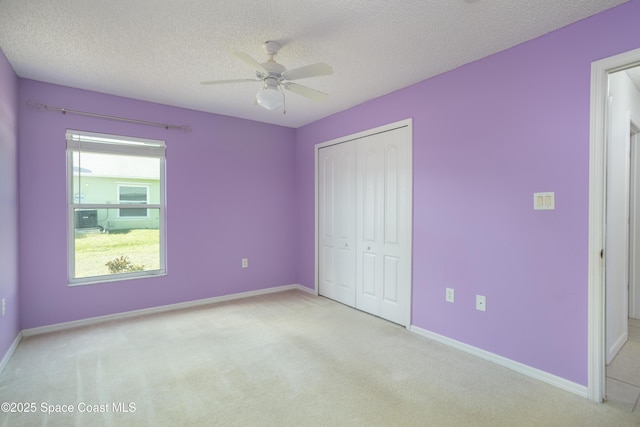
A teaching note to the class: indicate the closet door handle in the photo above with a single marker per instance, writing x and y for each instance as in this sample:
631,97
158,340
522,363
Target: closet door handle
368,248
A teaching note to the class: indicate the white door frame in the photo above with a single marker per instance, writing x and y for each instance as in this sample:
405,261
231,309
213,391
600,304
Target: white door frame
600,71
634,265
402,123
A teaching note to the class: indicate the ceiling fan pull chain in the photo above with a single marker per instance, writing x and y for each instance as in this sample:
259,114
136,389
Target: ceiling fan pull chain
284,100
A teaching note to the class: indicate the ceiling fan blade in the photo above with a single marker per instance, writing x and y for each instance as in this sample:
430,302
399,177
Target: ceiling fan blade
305,91
251,62
313,70
217,82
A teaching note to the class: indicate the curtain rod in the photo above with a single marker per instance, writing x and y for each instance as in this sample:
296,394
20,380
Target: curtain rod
38,106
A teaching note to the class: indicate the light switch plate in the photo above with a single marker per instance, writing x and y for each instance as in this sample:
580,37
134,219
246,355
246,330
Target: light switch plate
544,201
450,295
481,303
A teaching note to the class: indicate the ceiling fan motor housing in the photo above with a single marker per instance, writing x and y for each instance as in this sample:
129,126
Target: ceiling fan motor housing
275,70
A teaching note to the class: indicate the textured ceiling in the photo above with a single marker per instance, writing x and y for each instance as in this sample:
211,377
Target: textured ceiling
160,50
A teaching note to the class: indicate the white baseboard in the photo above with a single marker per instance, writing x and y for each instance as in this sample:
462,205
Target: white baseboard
305,289
521,368
10,352
160,309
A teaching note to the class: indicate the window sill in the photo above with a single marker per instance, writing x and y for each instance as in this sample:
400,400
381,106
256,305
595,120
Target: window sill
116,278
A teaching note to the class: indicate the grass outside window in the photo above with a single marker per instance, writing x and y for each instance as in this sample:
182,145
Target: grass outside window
93,250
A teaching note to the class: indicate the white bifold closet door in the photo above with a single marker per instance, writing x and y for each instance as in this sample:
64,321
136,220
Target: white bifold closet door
364,223
337,220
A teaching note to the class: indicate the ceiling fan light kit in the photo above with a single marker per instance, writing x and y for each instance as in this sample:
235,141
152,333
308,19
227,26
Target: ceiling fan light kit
276,77
270,97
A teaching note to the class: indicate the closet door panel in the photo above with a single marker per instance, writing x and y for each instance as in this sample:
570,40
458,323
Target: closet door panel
369,216
391,280
367,175
383,282
369,263
336,191
396,247
391,165
326,234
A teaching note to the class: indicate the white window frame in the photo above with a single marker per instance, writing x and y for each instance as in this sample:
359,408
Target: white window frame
82,141
120,202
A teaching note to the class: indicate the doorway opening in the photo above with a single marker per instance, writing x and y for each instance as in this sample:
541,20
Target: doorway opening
634,216
609,235
622,335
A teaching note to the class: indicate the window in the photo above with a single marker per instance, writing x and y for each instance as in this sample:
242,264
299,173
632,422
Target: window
134,194
116,207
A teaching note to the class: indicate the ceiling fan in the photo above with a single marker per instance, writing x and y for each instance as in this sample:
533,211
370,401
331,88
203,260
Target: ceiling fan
276,77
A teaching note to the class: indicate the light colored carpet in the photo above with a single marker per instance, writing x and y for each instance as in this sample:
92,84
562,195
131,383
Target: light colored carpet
284,359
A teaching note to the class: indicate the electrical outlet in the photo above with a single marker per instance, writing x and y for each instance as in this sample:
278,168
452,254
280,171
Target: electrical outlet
450,295
245,262
481,303
4,306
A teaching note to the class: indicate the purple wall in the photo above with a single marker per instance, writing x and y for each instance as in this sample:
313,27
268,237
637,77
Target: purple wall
486,137
230,194
9,324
